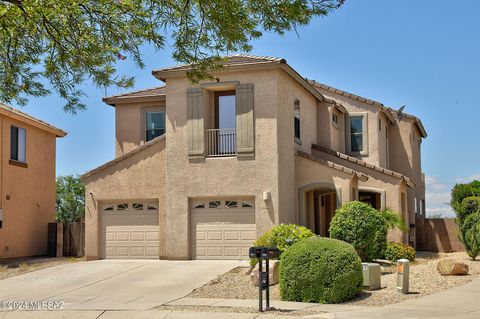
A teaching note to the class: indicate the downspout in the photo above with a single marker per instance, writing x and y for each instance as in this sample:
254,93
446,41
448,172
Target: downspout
2,135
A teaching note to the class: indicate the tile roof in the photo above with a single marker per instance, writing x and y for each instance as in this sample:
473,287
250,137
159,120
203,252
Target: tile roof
333,165
231,60
8,110
352,159
151,92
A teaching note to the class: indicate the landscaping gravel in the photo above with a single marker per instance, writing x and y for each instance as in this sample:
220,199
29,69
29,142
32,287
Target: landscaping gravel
424,280
15,268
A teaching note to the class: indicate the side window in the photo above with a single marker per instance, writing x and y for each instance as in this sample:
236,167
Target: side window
296,119
356,134
155,125
18,144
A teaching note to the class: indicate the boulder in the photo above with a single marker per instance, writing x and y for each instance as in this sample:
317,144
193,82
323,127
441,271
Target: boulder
449,267
274,273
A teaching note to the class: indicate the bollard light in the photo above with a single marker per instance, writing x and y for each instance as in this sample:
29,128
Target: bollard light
403,275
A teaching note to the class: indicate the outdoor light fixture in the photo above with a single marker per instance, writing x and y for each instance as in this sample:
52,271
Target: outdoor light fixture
267,196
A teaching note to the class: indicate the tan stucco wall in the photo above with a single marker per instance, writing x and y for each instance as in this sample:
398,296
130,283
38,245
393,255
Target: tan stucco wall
139,177
288,91
223,176
356,107
130,124
32,192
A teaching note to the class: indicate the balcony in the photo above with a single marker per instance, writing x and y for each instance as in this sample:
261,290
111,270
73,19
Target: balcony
221,142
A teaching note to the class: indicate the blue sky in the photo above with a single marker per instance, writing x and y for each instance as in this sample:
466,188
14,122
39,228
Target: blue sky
424,54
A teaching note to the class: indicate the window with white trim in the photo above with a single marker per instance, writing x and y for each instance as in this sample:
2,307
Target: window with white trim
18,144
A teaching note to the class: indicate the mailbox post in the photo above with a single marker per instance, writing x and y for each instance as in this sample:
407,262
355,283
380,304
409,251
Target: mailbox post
263,254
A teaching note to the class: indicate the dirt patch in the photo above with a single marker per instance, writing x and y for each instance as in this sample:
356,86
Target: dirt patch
12,269
424,280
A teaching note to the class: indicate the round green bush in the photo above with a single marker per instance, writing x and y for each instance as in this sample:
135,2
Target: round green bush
282,237
321,270
396,251
363,227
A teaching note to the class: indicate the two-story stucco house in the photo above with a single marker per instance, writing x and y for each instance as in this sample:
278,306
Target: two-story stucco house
202,170
27,182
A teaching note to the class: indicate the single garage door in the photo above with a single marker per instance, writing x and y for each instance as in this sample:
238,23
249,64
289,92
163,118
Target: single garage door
130,230
222,229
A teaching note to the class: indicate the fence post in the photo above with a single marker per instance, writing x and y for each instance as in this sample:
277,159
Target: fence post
59,240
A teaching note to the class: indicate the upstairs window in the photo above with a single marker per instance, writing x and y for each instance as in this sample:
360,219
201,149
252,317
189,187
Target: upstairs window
335,120
296,119
155,125
18,145
356,134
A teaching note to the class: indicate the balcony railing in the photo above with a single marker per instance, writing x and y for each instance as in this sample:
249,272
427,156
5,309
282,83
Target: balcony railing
221,142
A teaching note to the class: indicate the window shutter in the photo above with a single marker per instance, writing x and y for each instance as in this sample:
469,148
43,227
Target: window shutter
245,120
195,126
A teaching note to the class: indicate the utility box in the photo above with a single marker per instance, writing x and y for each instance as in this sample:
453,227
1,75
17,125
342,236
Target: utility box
371,276
403,275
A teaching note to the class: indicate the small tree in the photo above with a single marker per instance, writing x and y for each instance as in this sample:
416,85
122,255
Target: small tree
466,205
394,220
362,226
70,202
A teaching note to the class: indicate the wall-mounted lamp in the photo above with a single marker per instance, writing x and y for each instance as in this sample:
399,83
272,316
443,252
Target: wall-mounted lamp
267,196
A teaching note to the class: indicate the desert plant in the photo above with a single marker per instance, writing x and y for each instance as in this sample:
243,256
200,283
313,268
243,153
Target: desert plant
282,237
362,226
394,220
396,251
470,234
320,269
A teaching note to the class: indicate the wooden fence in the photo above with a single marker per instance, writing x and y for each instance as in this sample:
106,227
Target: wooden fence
70,239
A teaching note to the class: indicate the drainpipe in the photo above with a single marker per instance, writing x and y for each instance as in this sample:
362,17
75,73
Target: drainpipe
2,135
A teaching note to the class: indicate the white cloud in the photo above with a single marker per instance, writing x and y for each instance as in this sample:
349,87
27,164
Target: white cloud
437,197
468,179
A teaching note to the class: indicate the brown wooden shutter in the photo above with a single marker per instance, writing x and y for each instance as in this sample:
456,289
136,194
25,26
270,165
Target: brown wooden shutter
195,126
245,120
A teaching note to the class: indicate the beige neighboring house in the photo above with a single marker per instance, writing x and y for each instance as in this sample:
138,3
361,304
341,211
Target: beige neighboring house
202,170
27,183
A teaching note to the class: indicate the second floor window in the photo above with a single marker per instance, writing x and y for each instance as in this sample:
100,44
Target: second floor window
155,125
356,133
18,144
296,119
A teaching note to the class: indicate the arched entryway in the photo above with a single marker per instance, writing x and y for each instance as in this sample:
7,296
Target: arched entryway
318,202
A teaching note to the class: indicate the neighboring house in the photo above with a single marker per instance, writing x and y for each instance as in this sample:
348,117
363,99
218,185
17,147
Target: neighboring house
27,183
202,170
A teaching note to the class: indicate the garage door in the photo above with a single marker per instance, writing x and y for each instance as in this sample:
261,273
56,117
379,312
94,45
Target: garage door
130,230
222,229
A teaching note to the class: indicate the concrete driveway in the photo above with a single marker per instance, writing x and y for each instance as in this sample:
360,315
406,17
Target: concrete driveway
113,284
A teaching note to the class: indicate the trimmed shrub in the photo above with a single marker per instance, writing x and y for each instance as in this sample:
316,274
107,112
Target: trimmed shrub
363,227
396,251
282,237
321,270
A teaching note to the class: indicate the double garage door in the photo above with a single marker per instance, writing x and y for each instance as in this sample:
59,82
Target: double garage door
130,230
222,229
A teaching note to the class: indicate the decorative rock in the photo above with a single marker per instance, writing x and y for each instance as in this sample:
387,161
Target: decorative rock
274,273
449,267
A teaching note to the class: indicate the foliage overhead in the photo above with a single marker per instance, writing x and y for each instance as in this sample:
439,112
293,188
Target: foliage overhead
321,270
362,226
282,237
70,201
54,46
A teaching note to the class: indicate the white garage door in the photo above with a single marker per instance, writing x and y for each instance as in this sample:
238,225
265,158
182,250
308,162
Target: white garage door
130,230
222,229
